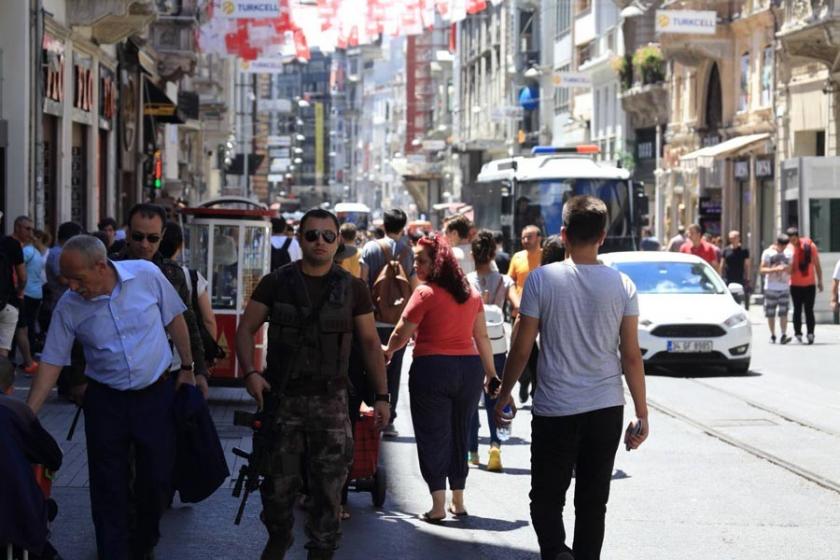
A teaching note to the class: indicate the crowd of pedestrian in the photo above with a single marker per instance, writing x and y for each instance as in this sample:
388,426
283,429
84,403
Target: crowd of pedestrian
120,325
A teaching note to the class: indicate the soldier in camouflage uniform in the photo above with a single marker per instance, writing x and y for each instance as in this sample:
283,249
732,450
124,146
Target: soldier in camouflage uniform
313,308
145,230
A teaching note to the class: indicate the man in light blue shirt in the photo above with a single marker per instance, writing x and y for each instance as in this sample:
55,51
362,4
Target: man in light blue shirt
120,314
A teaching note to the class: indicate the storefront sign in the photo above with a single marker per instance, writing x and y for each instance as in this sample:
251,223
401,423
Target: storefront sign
54,68
709,206
107,94
276,105
571,79
250,9
686,21
83,83
434,145
742,169
763,168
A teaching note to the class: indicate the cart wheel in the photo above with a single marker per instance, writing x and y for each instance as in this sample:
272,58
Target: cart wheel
380,486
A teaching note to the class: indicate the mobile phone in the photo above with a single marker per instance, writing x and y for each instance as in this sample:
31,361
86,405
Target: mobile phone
494,385
632,431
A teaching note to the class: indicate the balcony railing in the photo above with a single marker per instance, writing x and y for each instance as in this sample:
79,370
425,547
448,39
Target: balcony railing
112,21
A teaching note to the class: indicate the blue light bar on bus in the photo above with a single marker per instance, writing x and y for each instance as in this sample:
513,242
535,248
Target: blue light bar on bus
582,149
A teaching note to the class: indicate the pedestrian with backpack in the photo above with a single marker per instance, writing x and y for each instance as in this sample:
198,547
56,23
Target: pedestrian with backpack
391,279
495,288
284,247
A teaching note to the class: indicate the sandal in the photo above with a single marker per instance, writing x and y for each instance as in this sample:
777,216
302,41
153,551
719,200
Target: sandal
431,520
457,513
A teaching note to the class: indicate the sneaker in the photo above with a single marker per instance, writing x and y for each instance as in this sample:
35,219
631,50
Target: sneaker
390,431
31,369
810,338
472,458
772,339
494,460
798,338
785,339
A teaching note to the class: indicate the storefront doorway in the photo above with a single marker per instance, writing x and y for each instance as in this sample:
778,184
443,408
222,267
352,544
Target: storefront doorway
78,175
50,141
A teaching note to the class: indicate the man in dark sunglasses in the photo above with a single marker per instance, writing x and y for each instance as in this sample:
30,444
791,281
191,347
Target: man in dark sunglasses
314,309
145,230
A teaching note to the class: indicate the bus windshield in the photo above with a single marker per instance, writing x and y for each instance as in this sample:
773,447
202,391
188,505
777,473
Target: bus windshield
541,202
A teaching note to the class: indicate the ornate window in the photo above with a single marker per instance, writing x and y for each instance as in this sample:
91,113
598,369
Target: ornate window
744,83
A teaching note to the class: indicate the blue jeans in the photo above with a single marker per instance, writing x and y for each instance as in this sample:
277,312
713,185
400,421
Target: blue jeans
489,406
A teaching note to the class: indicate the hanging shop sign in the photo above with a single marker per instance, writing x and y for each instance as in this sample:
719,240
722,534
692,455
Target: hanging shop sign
686,21
763,168
742,169
263,66
571,80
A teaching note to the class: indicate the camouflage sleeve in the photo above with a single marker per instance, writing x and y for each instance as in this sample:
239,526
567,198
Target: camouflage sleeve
175,274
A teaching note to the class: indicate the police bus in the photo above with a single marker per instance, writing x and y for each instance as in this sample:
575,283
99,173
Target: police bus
532,190
354,212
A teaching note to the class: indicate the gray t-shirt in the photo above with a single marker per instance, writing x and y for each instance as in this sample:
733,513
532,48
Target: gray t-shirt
580,308
494,282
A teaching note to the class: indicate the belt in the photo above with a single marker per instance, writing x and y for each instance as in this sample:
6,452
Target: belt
164,377
311,388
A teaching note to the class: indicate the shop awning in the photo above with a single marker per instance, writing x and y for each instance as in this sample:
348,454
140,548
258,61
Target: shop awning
705,157
158,105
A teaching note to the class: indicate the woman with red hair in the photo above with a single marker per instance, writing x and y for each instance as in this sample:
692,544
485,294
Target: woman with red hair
452,358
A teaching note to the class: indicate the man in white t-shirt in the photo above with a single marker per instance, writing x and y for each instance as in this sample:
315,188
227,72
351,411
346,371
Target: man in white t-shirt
775,266
587,317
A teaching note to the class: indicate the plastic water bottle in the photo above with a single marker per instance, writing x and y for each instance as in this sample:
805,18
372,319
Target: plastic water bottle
503,431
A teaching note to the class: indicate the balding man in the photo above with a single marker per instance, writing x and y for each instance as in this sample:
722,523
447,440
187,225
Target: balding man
120,313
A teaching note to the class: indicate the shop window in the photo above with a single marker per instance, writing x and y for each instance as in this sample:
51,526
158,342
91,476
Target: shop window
563,15
767,76
823,212
744,83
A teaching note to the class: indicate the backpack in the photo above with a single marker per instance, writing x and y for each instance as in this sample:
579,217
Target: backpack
7,280
391,289
281,256
212,351
494,318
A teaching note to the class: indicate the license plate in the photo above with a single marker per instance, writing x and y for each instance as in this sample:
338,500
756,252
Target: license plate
690,346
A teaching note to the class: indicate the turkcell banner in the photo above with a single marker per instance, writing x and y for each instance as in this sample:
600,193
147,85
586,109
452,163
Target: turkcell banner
571,80
686,21
250,9
262,66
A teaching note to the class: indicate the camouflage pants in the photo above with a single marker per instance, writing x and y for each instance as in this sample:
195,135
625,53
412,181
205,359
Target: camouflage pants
312,455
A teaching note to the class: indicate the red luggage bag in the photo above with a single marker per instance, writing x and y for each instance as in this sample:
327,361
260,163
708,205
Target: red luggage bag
366,473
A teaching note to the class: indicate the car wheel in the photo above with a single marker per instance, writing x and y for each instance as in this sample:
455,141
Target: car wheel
740,368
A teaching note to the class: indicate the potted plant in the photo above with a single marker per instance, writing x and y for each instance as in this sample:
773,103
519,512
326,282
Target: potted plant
622,66
649,63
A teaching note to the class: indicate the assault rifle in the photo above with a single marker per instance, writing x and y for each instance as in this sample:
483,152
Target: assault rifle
253,474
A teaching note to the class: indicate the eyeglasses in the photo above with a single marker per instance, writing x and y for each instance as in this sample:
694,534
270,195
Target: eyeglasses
311,235
139,236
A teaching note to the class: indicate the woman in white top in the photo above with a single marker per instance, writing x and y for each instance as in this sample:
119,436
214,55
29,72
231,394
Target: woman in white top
495,288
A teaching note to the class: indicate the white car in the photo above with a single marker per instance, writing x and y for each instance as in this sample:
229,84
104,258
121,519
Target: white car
687,314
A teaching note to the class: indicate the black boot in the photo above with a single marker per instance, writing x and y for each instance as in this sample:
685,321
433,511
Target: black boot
320,554
276,547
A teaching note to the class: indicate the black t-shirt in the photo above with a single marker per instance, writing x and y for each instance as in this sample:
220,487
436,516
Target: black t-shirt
13,256
734,259
315,286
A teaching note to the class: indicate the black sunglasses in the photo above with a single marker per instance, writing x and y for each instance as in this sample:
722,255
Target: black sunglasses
139,236
311,235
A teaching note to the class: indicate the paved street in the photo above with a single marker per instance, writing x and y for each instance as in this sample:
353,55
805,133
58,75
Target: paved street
736,467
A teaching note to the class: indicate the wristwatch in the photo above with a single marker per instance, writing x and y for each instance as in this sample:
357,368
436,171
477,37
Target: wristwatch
187,367
382,397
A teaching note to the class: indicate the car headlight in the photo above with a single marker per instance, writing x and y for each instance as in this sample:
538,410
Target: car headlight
736,320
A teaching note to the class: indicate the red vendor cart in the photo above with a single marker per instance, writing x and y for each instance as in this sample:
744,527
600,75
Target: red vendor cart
228,240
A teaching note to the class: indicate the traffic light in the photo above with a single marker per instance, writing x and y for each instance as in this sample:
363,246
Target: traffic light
158,170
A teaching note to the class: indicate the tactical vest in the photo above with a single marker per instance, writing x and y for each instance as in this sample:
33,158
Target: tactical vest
309,341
